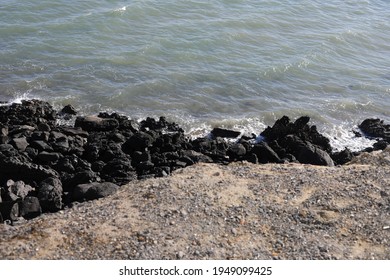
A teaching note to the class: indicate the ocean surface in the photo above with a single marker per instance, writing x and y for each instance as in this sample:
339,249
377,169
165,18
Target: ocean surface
229,63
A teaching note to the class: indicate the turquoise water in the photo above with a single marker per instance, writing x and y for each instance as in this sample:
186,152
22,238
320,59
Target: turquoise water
237,64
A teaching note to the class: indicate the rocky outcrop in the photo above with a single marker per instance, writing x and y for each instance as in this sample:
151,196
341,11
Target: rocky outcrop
44,165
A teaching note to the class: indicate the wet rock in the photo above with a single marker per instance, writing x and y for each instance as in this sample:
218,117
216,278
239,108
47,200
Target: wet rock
69,109
161,124
30,207
94,123
380,145
50,194
225,133
94,191
375,128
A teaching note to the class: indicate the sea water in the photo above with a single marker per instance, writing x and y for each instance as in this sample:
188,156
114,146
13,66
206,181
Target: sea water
228,63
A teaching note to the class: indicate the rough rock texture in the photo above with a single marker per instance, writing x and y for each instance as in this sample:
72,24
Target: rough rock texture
108,150
235,211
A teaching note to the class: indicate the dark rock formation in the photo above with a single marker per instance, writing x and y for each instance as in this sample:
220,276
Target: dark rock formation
45,166
376,128
342,157
298,140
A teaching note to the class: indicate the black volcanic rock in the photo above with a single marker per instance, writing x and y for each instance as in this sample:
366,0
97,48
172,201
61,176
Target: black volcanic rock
61,163
69,109
342,157
236,151
225,133
138,142
265,154
18,166
376,128
298,140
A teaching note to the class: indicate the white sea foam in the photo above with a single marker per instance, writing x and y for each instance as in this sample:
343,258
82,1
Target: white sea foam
343,136
18,99
123,9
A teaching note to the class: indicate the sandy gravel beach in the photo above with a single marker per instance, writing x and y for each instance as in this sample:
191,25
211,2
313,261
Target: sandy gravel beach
235,211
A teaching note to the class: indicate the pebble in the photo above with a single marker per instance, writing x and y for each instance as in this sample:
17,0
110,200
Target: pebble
180,255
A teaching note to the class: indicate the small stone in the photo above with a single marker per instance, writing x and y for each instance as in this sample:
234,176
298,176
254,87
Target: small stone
20,143
180,255
184,213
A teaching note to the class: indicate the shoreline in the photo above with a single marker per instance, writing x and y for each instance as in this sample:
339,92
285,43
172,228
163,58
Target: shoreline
47,166
235,211
215,199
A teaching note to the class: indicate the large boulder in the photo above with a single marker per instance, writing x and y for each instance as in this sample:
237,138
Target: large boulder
265,154
311,154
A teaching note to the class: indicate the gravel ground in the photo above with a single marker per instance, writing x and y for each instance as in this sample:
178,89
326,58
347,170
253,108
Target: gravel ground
235,211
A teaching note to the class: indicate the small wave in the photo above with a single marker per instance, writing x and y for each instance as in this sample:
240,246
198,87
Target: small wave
18,99
342,136
121,10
